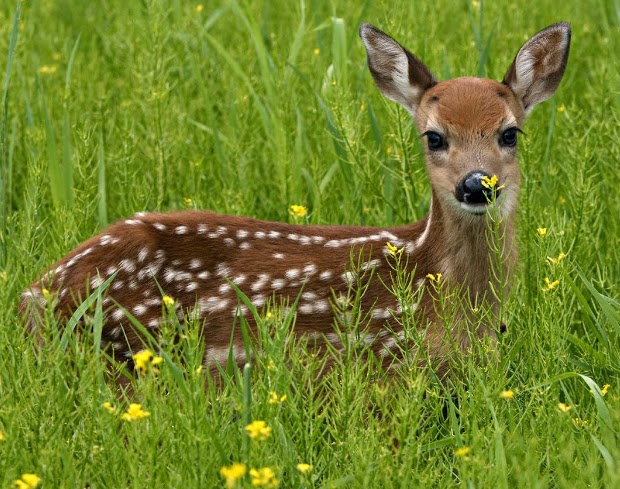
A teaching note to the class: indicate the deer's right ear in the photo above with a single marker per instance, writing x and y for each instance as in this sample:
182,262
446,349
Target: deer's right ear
400,76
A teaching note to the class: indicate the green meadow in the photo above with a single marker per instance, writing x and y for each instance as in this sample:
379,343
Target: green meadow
248,107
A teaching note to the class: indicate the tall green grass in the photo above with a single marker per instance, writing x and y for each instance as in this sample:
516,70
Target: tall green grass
246,108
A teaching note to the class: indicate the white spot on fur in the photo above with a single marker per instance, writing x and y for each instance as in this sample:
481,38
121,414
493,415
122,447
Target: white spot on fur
310,269
229,242
222,270
96,282
203,275
278,284
305,308
139,309
242,234
115,332
127,265
259,235
239,279
144,252
309,296
258,300
380,313
246,245
191,287
153,323
133,222
111,270
117,285
292,273
195,264
326,275
321,306
212,304
263,278
278,256
274,234
118,314
370,264
224,289
349,277
159,226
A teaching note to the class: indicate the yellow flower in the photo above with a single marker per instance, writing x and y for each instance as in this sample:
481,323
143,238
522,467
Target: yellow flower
389,150
134,413
462,452
188,200
28,481
434,278
298,211
46,294
317,51
562,200
489,182
561,108
108,406
275,399
564,407
507,395
2,437
304,468
580,423
604,391
232,473
264,477
258,430
48,69
145,360
542,232
555,261
199,8
393,250
167,301
549,285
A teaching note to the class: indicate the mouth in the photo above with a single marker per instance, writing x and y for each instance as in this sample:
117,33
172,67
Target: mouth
479,208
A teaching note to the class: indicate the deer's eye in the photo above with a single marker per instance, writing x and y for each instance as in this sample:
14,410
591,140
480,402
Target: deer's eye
509,137
435,140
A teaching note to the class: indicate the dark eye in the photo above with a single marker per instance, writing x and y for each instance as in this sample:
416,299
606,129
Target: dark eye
435,141
509,137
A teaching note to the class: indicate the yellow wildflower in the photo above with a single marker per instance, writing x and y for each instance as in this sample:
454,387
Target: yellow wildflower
48,69
507,395
317,51
549,285
275,399
580,423
562,200
199,8
258,430
298,211
188,200
167,301
555,261
46,294
232,474
564,407
489,182
604,391
108,406
28,481
542,232
389,150
2,437
434,278
304,468
264,477
462,452
134,413
145,360
561,108
393,250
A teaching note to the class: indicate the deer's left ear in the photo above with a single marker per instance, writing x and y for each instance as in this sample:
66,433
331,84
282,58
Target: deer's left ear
539,65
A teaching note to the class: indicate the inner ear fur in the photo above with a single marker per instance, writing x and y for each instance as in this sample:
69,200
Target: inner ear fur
538,67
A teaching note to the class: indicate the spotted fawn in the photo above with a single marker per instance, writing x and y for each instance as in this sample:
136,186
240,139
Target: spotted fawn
470,128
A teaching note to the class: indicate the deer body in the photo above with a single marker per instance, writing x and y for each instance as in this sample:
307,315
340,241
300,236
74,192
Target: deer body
193,257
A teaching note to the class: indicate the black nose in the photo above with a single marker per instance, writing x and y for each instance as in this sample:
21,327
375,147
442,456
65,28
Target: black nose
471,191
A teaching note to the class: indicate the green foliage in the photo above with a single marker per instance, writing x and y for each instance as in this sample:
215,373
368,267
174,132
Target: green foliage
246,108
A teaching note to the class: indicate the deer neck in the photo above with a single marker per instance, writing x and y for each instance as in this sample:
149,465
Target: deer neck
459,248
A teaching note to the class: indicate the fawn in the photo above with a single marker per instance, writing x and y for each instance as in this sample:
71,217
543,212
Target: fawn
470,126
